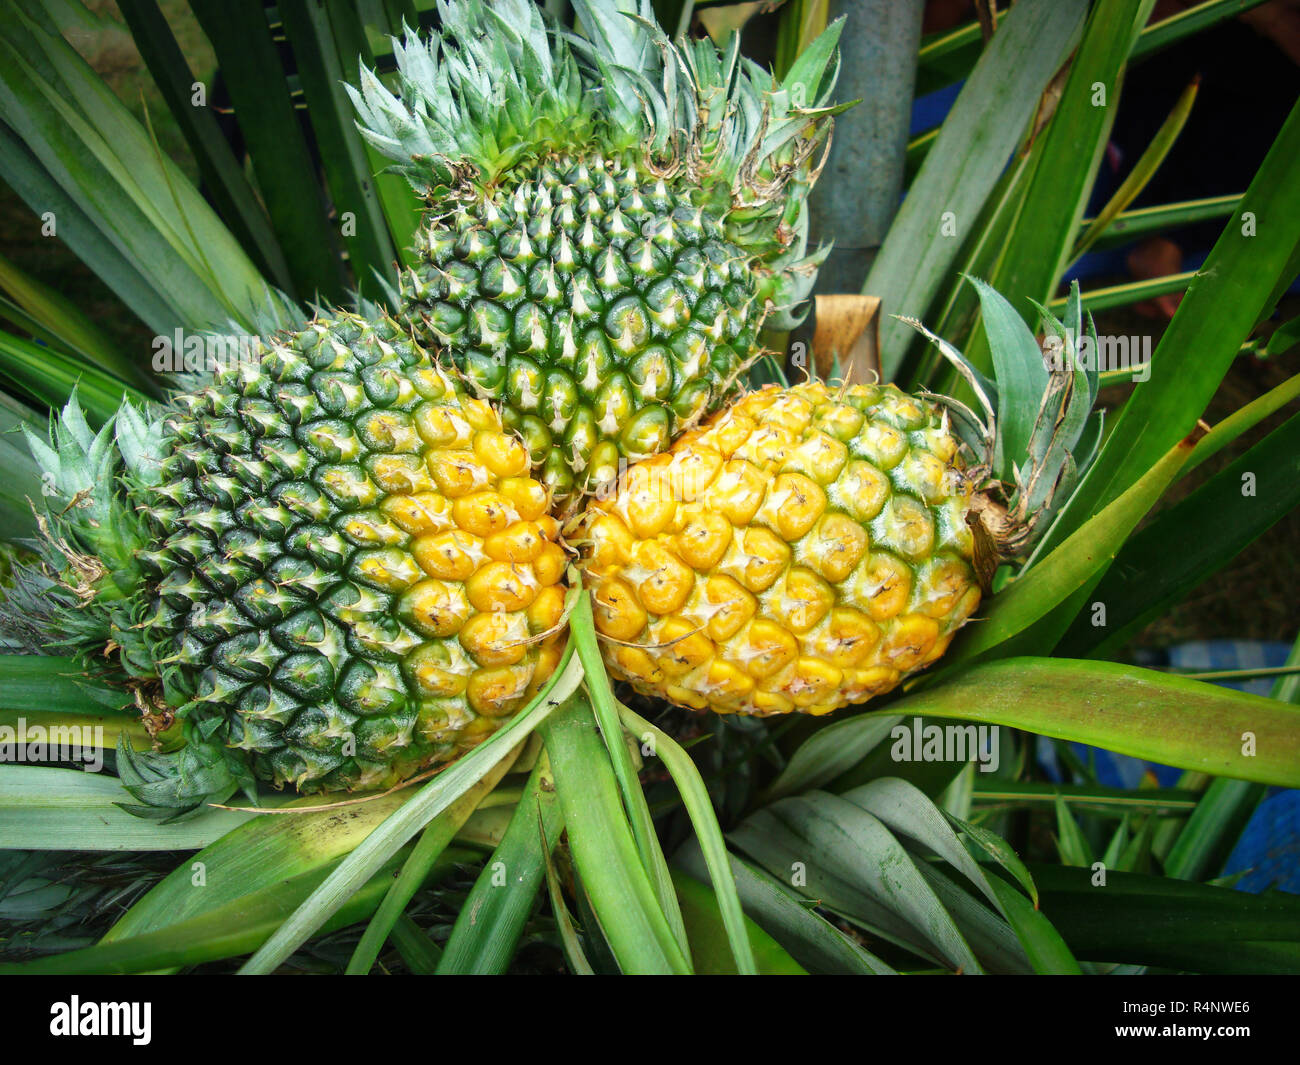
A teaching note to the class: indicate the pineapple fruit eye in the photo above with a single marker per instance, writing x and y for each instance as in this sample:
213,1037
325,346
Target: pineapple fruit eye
598,307
358,578
795,553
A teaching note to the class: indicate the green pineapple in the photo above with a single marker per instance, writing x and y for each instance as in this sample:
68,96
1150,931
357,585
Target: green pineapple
609,221
331,564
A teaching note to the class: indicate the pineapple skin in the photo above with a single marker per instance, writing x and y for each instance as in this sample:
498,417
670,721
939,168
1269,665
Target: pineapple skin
804,550
600,308
357,577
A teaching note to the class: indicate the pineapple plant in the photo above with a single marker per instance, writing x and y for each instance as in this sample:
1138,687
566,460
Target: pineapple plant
331,564
812,546
609,222
278,578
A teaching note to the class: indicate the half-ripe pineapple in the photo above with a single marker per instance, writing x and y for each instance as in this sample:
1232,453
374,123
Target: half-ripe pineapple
331,564
810,547
609,219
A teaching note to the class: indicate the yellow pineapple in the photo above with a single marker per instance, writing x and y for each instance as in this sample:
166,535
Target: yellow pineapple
810,547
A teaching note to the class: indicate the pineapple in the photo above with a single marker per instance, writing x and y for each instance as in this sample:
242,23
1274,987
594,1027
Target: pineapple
331,564
811,547
609,220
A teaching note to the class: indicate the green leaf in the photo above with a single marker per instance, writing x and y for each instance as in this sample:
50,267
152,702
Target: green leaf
437,835
807,936
103,252
489,925
1241,420
1047,951
695,798
1156,716
223,177
1000,851
348,172
830,752
1174,924
226,931
982,130
1143,170
582,631
1070,844
294,839
50,377
264,109
44,808
1090,797
65,320
1147,578
95,731
38,682
711,942
1021,377
604,851
1032,261
1038,605
99,154
570,941
855,865
1129,292
419,952
430,801
1128,226
990,936
1228,296
906,809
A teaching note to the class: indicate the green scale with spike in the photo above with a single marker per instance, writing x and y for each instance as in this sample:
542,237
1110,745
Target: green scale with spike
602,309
609,222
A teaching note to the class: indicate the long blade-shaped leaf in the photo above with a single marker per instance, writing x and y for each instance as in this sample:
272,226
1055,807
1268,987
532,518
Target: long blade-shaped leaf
286,174
973,147
361,864
1229,511
1228,296
1157,716
808,936
604,852
488,927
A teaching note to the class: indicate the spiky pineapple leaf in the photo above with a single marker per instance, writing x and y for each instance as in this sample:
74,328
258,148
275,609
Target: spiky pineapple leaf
1146,578
227,931
993,109
789,919
487,931
360,865
1231,291
1141,712
1021,380
856,867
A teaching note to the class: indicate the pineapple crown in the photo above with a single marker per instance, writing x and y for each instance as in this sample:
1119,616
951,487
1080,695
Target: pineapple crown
499,89
1039,432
